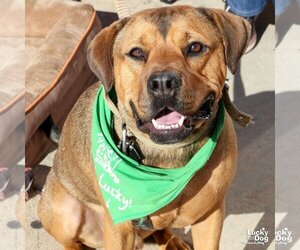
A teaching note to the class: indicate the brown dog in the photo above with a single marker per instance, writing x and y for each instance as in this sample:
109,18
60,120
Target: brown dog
172,58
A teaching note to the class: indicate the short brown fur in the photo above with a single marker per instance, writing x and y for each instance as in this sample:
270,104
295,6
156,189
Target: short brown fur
72,208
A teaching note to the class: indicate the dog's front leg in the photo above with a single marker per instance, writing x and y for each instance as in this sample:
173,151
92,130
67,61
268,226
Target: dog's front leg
118,237
206,232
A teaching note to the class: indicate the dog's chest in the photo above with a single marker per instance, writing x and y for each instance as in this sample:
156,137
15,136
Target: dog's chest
176,218
194,201
183,211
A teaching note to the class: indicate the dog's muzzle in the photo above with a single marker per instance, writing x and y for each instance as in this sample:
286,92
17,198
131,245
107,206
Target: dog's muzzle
169,125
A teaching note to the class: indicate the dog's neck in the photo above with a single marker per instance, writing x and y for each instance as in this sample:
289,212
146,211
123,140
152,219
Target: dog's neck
169,157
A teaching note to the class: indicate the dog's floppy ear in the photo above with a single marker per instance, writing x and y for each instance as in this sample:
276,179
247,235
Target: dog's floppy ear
236,32
100,53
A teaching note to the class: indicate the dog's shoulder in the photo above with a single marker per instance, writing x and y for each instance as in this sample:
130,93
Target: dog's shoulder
72,163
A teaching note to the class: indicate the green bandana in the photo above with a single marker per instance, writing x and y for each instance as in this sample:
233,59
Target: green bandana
132,190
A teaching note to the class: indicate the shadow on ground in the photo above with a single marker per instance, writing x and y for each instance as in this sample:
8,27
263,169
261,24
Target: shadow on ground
107,18
287,163
264,19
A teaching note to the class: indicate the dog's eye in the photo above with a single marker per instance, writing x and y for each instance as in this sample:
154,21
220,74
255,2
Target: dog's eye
137,53
195,48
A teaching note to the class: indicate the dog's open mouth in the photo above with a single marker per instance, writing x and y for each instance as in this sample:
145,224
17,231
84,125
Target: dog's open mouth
168,119
169,126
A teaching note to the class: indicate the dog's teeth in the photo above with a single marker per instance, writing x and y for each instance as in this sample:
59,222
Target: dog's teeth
169,127
181,121
154,123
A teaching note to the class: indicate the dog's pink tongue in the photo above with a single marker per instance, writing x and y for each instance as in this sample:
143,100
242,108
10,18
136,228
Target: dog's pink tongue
169,119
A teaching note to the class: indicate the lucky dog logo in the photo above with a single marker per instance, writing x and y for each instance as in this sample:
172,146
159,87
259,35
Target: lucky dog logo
283,236
108,161
257,237
261,236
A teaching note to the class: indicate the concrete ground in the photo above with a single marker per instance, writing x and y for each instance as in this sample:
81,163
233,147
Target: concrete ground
287,178
250,201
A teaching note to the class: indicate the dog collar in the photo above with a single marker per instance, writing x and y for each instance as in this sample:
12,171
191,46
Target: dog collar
236,115
125,182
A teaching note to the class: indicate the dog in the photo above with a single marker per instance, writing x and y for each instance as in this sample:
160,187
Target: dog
168,62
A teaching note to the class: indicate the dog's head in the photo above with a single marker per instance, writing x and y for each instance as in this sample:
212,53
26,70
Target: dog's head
168,66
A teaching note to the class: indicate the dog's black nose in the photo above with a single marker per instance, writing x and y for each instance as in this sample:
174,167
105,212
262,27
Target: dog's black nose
164,84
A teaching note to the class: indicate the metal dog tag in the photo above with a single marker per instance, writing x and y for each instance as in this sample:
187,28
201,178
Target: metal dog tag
129,146
134,151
